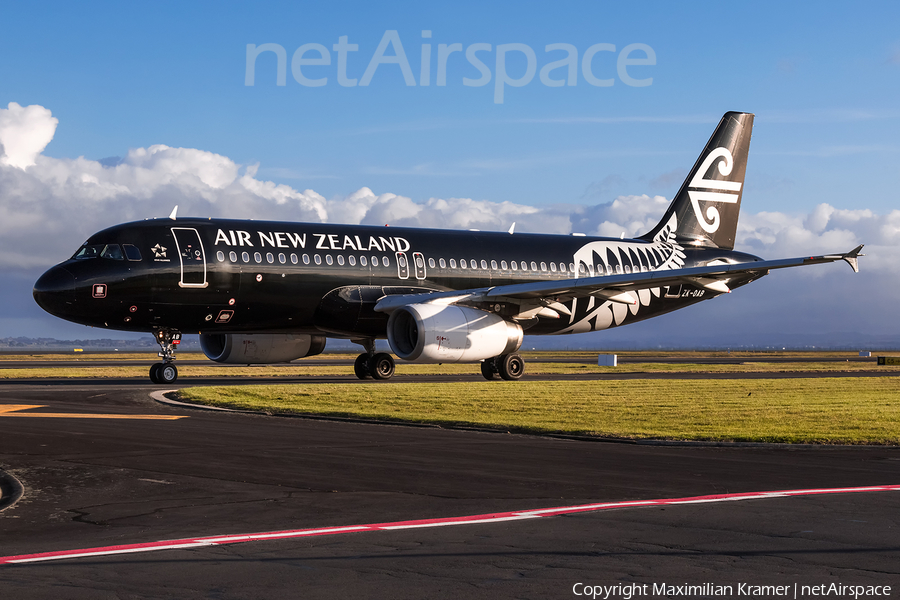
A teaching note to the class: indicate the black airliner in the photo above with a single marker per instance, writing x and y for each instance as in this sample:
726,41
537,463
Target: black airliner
267,292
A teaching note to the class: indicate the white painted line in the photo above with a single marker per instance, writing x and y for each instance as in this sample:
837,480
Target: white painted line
425,523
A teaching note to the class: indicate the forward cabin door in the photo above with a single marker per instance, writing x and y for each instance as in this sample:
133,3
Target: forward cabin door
192,257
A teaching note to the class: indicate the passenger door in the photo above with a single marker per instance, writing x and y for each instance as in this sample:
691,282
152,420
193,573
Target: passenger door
192,257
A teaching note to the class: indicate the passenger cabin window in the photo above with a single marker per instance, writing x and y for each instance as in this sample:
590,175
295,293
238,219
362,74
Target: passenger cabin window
282,258
306,259
329,259
340,259
232,256
431,263
452,263
363,261
220,256
484,264
131,252
374,261
463,264
257,257
245,256
443,263
270,258
503,265
294,259
352,260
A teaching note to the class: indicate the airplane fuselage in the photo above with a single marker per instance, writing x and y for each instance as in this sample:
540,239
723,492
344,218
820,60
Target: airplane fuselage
210,275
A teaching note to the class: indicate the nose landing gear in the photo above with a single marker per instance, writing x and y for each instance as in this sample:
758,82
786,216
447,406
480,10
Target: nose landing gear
166,372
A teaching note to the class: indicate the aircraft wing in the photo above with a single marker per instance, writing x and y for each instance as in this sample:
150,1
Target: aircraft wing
549,294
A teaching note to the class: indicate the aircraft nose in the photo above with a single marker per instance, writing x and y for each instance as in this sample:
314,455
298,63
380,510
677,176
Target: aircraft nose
54,291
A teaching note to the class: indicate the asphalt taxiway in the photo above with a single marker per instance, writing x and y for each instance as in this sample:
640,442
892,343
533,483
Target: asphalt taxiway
106,466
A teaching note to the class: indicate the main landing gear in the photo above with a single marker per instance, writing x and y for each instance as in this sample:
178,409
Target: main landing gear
166,372
509,366
378,365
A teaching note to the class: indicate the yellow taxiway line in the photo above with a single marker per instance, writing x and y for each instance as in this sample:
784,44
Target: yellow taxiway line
15,410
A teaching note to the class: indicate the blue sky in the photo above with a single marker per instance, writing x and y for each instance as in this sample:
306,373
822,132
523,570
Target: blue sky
823,83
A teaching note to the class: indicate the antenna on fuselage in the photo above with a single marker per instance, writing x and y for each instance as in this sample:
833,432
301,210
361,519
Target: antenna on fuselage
512,228
174,212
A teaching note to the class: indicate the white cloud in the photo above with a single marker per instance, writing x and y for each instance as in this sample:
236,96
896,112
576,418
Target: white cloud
49,205
24,133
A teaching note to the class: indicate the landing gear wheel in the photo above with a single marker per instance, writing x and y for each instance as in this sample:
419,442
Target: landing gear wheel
511,366
167,373
168,340
361,366
381,366
489,369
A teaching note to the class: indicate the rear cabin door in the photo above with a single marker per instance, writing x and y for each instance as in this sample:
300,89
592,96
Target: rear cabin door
192,257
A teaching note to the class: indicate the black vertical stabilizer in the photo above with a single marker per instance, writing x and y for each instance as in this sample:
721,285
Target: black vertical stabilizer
706,206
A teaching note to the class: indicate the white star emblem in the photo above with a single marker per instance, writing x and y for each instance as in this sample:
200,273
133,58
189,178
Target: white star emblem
159,251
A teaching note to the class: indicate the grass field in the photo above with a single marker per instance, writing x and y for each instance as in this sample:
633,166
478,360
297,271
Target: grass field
586,355
537,363
819,410
813,410
298,370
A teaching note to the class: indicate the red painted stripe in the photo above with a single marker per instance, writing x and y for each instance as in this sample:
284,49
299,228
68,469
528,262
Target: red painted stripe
423,523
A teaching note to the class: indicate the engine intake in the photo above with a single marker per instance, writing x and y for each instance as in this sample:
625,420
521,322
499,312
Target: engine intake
435,333
259,348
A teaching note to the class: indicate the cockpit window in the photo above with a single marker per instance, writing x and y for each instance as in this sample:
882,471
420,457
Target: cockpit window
131,252
88,251
113,251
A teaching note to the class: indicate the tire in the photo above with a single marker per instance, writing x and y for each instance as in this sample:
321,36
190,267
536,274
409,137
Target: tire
167,373
511,367
488,369
361,366
381,366
154,372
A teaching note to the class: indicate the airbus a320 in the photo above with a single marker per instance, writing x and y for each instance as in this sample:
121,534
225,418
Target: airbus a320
268,292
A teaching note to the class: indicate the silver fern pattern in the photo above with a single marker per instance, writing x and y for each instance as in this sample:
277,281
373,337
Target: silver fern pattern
597,259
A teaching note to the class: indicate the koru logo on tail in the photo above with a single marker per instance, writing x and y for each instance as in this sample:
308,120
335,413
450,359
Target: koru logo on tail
698,190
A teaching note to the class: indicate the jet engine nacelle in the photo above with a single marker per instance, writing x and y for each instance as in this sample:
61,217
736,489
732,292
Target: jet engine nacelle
435,333
259,348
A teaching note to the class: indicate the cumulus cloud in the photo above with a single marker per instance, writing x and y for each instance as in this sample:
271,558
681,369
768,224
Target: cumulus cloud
24,133
49,205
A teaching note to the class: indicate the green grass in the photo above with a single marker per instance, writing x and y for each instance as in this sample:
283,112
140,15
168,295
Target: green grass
534,367
822,410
